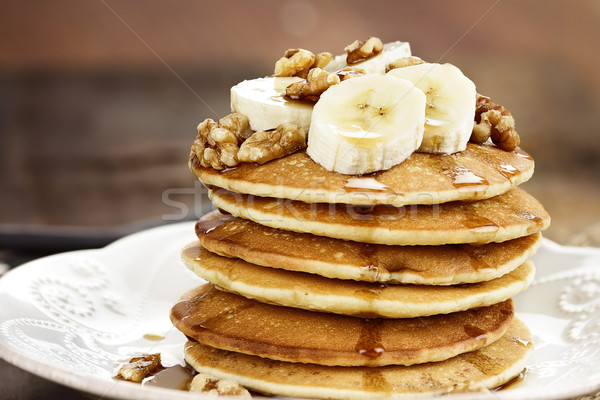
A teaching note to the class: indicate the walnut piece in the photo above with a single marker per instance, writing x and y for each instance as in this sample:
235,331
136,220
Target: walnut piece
495,121
293,62
316,83
141,367
217,143
404,62
363,50
211,385
264,146
298,62
350,72
322,59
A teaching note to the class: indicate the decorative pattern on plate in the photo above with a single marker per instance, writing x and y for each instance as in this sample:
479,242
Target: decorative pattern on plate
74,316
567,339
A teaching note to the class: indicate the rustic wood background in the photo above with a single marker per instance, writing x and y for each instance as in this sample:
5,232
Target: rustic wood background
99,99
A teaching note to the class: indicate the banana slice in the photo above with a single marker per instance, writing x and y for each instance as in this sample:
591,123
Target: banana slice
366,124
263,101
374,65
450,112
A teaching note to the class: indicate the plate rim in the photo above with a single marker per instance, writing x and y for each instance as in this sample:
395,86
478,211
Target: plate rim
87,383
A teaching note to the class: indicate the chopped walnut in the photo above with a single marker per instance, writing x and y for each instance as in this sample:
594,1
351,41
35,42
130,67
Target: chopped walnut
316,83
322,59
217,143
294,62
238,124
298,62
264,146
363,50
495,121
139,368
404,62
350,72
211,385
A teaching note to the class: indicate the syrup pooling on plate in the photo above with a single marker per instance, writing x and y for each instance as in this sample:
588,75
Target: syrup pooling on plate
153,337
175,377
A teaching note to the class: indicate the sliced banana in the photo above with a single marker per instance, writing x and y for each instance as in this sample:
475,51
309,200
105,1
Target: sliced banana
450,112
366,124
374,65
263,101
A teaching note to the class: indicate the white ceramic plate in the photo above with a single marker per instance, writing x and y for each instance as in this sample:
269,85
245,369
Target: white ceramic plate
73,317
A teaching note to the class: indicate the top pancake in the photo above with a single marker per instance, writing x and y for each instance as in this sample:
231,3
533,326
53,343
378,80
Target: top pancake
479,172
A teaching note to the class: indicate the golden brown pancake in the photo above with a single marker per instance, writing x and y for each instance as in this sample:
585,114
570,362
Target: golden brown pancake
480,171
230,322
501,218
485,368
314,292
335,258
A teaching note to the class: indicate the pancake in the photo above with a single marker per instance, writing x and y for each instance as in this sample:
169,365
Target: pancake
314,292
501,218
334,258
482,369
230,322
480,171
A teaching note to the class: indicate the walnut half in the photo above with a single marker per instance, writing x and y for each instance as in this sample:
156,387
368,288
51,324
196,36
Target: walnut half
363,50
217,143
265,146
349,73
495,121
316,83
298,62
211,385
404,62
141,367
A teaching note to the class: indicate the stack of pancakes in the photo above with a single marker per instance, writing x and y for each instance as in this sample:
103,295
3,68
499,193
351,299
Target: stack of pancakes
398,282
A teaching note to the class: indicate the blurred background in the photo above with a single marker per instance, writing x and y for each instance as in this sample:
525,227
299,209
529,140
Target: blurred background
99,99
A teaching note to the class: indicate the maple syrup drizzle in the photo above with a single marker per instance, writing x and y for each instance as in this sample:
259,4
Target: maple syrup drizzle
204,226
480,224
521,153
365,184
475,332
363,209
462,177
153,337
513,382
369,342
375,380
539,222
508,171
476,255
